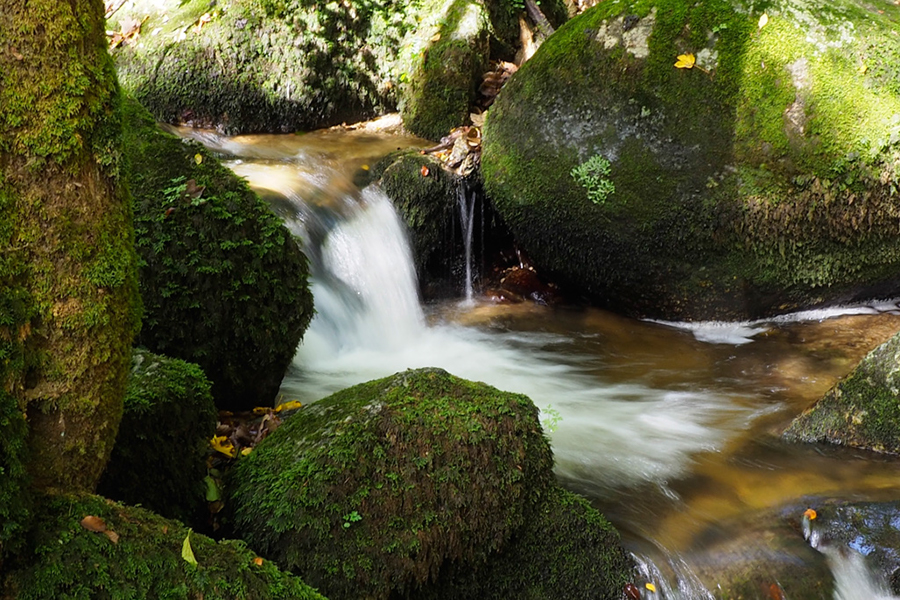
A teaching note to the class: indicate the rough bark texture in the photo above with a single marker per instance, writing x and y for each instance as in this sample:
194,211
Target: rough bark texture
67,267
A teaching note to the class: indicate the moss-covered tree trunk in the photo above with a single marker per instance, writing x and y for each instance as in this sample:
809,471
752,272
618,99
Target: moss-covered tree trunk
68,295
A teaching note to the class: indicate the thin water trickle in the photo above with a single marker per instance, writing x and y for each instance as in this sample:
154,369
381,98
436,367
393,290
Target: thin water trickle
466,200
669,429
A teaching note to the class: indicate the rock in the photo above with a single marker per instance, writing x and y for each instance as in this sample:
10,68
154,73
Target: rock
159,460
374,491
15,497
224,283
862,410
737,188
126,552
761,555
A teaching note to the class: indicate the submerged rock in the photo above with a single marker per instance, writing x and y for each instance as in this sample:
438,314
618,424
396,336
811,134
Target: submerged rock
378,489
90,547
159,460
862,410
224,283
756,176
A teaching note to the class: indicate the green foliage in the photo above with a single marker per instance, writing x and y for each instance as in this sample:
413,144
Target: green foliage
159,460
224,282
65,560
15,497
593,176
438,469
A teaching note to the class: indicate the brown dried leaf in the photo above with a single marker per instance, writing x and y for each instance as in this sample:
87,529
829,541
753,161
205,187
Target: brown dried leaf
92,523
112,535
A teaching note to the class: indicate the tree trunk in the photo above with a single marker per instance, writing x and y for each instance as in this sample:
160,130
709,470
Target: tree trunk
68,295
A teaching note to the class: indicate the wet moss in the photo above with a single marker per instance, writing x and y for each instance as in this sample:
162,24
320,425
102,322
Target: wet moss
759,181
368,492
159,460
15,498
446,74
67,263
565,549
224,282
862,410
66,560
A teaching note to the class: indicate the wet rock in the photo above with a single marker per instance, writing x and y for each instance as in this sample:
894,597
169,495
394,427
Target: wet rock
862,410
734,187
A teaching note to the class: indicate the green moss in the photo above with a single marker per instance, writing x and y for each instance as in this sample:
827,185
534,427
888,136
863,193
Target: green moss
761,180
67,260
159,460
565,549
14,495
224,282
862,410
437,468
65,560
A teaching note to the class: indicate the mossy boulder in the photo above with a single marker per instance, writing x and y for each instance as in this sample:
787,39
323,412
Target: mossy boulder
159,460
224,283
143,560
15,498
565,549
862,410
371,491
761,179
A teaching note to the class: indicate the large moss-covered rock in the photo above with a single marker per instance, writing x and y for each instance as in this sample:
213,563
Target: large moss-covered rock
862,410
14,493
369,492
760,179
224,282
159,460
140,556
565,549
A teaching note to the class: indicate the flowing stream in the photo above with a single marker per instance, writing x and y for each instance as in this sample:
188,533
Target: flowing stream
671,430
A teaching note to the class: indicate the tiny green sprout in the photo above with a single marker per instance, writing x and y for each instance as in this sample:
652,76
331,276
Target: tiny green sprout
550,418
593,176
351,518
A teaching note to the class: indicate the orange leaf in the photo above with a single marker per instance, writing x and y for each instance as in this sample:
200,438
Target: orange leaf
424,171
258,561
112,535
810,514
685,61
92,523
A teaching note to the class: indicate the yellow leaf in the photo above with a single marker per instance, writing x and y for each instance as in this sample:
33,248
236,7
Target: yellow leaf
221,444
187,553
763,20
863,69
685,61
650,587
288,406
261,410
436,37
246,451
198,158
365,167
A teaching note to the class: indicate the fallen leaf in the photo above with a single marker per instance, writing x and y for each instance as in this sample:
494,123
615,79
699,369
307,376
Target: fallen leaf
424,171
291,405
477,119
213,493
187,553
258,561
436,37
763,20
365,167
810,514
112,535
246,451
16,54
221,444
685,61
198,158
92,523
650,587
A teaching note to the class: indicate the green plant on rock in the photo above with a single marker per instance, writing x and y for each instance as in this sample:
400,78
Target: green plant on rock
593,176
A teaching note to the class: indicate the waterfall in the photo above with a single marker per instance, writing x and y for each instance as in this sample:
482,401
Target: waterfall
466,199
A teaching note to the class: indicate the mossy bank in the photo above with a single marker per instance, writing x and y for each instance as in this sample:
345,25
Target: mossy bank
758,176
224,283
376,490
126,553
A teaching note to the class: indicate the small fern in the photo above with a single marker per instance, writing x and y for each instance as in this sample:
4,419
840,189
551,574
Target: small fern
593,176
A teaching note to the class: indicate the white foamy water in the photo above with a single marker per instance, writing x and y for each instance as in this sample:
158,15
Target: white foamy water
370,325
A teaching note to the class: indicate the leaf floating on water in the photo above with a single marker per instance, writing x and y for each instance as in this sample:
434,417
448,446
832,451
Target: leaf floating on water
763,20
95,524
187,553
685,61
650,587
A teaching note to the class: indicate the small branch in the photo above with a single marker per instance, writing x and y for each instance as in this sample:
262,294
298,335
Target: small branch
535,14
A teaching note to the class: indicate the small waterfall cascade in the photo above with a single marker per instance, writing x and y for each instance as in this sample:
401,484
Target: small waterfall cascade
467,199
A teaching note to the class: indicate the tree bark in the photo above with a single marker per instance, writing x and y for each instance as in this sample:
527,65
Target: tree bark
67,263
